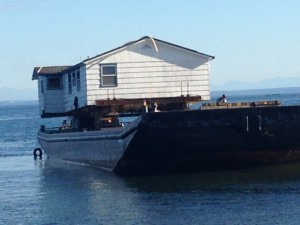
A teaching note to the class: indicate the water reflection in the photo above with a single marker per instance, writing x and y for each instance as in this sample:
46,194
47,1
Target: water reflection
220,181
76,194
86,194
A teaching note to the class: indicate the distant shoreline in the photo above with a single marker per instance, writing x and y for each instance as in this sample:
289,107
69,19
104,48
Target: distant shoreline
19,102
267,91
214,93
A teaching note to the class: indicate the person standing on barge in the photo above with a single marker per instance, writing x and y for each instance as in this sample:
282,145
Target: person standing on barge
222,99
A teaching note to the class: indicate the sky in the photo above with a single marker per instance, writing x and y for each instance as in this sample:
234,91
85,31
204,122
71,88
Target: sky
252,40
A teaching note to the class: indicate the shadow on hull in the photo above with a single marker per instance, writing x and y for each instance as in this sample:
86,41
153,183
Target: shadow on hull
206,140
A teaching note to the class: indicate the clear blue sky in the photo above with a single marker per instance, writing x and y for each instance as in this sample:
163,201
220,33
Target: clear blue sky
251,39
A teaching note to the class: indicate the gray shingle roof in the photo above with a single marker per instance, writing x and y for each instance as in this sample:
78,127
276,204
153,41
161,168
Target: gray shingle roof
147,37
56,70
49,70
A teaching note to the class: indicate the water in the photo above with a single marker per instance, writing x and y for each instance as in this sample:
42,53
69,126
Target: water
46,192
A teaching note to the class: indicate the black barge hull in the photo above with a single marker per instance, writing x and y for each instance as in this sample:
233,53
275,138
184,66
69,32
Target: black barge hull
196,140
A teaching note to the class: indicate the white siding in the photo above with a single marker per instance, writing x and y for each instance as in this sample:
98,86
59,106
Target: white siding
144,73
41,82
53,101
81,94
50,101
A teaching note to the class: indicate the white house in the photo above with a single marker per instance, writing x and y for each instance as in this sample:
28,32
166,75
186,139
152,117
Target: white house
147,68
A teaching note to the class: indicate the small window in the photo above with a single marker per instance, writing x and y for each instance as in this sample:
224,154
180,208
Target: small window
73,79
42,87
54,83
70,83
108,75
78,80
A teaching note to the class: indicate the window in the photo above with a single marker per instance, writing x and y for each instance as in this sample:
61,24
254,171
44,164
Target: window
108,75
78,80
73,79
42,87
70,83
54,83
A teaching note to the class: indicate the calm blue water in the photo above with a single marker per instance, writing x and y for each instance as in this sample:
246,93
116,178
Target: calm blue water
47,192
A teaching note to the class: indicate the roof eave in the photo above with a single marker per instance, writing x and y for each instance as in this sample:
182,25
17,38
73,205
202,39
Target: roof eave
210,57
38,71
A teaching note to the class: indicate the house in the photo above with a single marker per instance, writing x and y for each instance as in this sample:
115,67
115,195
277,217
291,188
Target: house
137,72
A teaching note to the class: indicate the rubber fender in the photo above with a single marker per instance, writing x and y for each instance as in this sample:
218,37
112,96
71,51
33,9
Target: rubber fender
37,153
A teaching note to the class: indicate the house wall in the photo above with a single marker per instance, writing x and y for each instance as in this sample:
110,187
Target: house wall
60,100
81,93
50,101
143,72
41,82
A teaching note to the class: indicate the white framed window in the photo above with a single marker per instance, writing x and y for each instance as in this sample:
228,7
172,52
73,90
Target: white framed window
42,86
78,80
54,83
73,78
70,83
108,75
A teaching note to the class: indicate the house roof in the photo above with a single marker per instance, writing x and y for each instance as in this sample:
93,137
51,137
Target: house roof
153,39
56,70
49,70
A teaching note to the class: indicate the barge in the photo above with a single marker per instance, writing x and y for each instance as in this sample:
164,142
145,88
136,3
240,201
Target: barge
185,140
157,81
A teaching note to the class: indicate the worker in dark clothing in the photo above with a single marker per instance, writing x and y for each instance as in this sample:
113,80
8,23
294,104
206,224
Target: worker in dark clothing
222,99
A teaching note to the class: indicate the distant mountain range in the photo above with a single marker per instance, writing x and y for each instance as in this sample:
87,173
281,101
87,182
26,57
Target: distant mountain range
11,94
277,82
256,92
275,85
